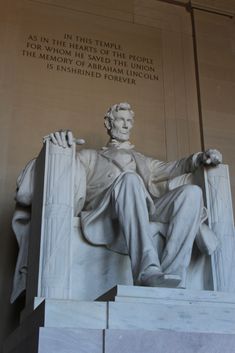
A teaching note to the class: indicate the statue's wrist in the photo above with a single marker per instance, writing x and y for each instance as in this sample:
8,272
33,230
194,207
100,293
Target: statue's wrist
197,159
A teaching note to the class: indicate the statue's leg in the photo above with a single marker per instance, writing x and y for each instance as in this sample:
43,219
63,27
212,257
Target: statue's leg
181,208
129,200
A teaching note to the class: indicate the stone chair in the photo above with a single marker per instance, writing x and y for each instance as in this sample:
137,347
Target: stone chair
63,265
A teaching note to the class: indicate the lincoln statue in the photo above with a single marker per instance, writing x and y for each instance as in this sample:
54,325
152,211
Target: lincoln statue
125,194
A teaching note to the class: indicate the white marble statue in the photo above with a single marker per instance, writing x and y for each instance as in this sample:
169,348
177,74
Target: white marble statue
120,193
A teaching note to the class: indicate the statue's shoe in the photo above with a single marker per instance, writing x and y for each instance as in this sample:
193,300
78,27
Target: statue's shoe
156,280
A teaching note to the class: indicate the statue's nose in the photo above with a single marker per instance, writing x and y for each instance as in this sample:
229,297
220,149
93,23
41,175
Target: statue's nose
125,125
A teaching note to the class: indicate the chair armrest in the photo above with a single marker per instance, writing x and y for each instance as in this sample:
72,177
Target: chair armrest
215,184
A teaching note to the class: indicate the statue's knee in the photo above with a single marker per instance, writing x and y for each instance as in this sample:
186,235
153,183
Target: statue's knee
131,178
192,193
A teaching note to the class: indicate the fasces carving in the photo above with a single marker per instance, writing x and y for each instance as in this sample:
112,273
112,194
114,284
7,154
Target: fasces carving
221,222
57,225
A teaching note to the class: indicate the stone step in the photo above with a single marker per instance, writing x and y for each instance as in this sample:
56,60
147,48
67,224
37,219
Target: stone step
170,309
134,308
156,294
176,317
60,314
67,340
60,340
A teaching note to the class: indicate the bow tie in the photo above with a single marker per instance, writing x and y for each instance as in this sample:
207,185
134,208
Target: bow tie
119,145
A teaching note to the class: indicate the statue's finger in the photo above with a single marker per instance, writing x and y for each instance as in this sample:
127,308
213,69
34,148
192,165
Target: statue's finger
205,157
216,161
79,141
58,138
208,161
219,157
63,138
69,137
53,139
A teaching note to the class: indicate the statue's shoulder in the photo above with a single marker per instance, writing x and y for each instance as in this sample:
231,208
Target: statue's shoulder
139,155
87,156
146,158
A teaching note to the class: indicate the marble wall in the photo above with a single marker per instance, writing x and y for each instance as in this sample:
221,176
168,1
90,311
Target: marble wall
46,84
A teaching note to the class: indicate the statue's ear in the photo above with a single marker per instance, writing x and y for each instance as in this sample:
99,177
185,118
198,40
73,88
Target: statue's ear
107,123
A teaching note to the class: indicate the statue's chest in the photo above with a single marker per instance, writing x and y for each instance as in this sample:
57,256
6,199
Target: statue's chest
122,159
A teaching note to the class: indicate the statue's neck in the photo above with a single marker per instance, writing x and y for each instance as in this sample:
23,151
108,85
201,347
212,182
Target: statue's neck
119,144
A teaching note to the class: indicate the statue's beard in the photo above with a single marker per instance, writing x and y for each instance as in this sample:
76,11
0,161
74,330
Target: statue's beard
118,135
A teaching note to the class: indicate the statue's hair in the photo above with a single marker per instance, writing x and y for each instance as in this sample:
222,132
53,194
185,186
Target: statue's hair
117,107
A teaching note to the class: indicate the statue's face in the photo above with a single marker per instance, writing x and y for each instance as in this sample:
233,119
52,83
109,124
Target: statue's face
121,125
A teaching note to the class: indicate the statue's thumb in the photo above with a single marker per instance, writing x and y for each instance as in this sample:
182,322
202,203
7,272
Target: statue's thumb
79,141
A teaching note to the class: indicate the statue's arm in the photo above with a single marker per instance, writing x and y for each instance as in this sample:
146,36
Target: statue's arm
168,170
210,157
161,172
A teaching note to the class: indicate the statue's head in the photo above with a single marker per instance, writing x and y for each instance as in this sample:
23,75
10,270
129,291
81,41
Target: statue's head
119,121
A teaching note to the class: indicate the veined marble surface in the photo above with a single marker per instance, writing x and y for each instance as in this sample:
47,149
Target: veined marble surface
175,317
60,314
139,341
122,293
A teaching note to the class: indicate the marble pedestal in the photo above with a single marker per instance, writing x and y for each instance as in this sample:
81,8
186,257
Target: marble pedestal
130,319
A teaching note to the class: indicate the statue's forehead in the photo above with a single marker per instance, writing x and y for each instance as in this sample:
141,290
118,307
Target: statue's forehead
122,114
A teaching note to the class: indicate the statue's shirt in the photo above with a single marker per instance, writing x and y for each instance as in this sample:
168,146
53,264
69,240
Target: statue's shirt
102,168
122,159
